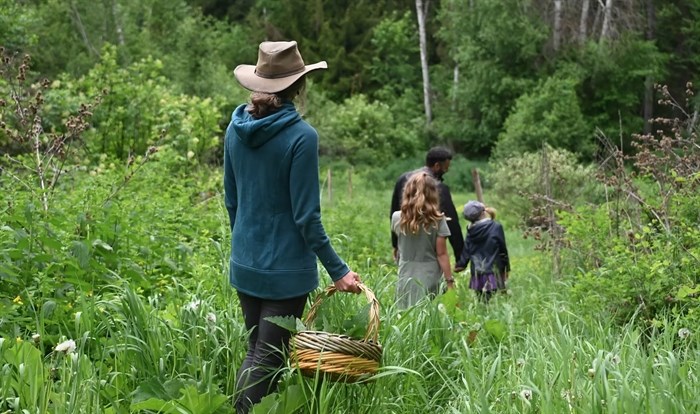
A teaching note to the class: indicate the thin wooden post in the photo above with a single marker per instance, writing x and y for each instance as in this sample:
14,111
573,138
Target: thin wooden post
477,185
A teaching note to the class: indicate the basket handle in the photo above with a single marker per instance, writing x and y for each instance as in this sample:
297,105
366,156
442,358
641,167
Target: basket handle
373,325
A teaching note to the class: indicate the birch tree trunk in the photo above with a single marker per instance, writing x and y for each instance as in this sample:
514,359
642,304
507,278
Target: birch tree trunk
556,37
421,12
605,30
455,86
583,24
117,23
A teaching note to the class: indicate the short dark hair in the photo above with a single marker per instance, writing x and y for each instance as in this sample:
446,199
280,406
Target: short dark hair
437,154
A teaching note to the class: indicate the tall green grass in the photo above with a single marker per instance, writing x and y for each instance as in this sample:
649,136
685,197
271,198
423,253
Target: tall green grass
176,349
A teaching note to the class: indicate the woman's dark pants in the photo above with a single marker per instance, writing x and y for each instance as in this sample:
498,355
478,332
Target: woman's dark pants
259,372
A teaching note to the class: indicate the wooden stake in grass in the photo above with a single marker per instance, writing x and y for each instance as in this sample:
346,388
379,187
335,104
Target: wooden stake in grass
477,185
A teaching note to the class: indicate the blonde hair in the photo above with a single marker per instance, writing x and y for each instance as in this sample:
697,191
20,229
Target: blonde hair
491,212
420,205
262,104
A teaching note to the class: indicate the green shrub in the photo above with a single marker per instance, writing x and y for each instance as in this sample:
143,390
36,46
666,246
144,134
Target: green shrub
644,274
550,114
516,179
363,132
138,109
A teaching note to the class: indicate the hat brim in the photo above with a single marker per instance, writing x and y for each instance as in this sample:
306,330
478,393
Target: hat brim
245,75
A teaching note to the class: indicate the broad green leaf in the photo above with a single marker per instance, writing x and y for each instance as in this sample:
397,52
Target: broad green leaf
47,308
496,328
158,405
200,403
289,323
268,405
685,291
156,388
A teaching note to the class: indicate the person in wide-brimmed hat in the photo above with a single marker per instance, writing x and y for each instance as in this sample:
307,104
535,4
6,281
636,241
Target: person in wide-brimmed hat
272,196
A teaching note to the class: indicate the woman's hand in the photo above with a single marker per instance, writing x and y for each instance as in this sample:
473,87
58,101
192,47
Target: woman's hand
348,283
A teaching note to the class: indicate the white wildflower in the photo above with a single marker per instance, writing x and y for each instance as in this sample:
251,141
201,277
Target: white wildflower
615,359
520,362
66,346
211,318
190,155
526,394
441,308
194,305
36,338
683,333
591,372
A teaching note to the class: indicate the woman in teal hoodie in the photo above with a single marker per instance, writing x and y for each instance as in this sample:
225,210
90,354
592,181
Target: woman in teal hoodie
273,200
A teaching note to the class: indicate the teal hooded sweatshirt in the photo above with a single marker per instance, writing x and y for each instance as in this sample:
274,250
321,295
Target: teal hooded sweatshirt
272,196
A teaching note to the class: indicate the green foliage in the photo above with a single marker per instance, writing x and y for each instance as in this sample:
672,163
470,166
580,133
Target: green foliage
14,21
140,110
632,274
611,92
678,33
391,69
495,68
517,179
549,114
363,132
163,398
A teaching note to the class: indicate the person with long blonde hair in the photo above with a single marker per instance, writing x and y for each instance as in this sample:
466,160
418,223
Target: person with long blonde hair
421,230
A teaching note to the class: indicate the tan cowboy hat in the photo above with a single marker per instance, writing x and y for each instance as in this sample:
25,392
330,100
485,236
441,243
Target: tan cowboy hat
279,66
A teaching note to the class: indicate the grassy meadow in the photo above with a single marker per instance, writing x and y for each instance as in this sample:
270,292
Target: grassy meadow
116,300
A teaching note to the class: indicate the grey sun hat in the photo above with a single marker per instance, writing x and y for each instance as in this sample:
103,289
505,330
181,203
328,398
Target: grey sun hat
279,65
473,210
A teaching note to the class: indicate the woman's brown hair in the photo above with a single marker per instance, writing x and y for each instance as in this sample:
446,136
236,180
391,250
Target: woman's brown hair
420,205
263,104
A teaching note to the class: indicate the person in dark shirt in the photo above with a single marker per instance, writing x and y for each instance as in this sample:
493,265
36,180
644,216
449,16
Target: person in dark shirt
437,163
485,251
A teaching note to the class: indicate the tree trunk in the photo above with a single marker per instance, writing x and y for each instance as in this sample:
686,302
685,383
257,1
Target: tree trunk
75,16
455,86
583,24
605,30
421,12
649,81
556,37
117,23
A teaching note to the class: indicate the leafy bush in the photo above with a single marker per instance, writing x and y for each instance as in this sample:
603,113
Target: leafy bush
517,178
549,114
138,108
363,132
646,273
638,254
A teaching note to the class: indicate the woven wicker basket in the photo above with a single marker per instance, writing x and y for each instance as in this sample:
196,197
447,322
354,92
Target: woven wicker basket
338,357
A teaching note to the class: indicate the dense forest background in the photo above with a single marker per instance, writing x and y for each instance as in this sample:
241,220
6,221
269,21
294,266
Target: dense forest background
505,76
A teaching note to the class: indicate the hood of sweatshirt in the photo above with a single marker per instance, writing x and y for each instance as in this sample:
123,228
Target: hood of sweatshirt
255,132
480,230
